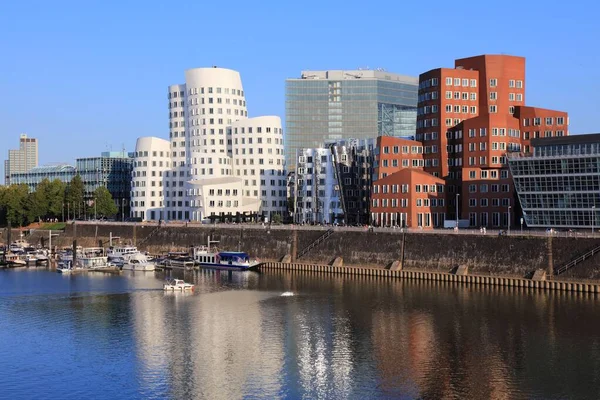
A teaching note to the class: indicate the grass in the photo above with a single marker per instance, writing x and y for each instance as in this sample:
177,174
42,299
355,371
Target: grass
55,226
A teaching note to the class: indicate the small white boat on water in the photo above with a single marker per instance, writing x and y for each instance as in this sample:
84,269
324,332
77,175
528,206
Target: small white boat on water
64,267
177,284
16,260
137,262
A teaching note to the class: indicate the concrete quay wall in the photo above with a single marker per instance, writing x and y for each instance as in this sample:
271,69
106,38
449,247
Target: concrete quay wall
504,281
514,256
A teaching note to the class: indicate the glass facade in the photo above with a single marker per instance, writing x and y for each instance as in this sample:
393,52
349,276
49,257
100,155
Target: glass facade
331,105
559,186
62,172
111,170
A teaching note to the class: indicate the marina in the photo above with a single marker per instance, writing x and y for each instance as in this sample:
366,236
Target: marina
271,329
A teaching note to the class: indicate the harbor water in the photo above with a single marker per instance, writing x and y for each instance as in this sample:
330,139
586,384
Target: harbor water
281,334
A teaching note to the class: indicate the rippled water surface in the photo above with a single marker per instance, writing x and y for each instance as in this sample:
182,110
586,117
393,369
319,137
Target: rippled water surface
121,337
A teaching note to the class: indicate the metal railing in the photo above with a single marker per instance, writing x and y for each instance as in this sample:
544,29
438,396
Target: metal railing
319,240
515,231
572,263
144,240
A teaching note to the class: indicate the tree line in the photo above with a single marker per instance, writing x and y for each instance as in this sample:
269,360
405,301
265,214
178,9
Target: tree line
52,200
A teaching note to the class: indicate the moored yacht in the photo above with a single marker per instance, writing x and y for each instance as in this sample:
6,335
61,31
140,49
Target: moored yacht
233,260
137,262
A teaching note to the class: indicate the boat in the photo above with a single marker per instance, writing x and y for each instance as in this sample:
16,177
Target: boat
137,262
92,258
117,254
231,260
19,245
64,267
179,260
41,255
15,260
177,284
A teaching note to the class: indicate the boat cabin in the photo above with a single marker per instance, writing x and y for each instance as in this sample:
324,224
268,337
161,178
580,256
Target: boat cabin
233,258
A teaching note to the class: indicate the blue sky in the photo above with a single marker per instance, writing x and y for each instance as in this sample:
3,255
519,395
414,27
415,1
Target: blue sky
83,76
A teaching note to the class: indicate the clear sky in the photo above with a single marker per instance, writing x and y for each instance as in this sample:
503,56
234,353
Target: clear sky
86,76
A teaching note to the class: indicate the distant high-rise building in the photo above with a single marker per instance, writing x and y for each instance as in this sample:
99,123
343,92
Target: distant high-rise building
21,160
330,105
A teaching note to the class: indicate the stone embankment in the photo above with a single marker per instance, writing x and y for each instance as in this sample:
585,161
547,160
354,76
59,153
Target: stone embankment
508,256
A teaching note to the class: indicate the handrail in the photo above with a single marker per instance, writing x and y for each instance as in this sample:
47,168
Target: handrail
572,263
149,236
319,240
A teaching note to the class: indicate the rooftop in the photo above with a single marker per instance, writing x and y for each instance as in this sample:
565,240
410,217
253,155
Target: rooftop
50,169
571,139
370,74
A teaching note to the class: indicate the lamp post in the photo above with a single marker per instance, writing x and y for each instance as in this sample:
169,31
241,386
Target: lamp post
457,201
593,218
508,222
95,209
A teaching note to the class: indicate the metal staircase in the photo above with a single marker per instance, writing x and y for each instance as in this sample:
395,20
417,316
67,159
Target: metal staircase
565,267
144,240
314,244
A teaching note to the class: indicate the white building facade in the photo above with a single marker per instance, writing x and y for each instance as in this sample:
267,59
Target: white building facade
221,163
150,173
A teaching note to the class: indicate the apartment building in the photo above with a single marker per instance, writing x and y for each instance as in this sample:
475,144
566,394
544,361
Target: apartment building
469,118
218,162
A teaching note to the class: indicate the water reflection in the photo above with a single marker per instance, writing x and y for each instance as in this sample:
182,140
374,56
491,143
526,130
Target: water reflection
235,336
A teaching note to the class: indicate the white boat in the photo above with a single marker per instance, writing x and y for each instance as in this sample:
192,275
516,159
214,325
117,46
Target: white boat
177,284
91,258
232,260
15,260
41,255
19,245
137,262
179,260
64,267
118,253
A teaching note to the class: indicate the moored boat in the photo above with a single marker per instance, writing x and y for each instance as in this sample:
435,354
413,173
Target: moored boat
137,262
232,260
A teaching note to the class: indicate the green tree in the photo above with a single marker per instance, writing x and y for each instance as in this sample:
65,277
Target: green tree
104,203
74,195
3,192
15,201
37,202
56,198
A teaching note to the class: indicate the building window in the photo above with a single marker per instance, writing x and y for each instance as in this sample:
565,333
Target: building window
493,82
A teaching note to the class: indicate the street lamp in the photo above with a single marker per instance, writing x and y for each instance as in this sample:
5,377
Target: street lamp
95,209
457,201
508,219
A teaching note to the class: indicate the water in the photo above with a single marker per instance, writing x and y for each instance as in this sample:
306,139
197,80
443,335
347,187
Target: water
236,336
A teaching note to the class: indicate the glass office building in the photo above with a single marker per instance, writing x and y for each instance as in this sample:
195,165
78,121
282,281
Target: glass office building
32,178
111,170
559,185
322,106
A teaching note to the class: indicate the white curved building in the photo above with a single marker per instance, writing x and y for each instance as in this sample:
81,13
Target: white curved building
151,165
222,162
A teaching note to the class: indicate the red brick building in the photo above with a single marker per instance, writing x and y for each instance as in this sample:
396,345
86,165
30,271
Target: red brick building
409,198
468,118
394,153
